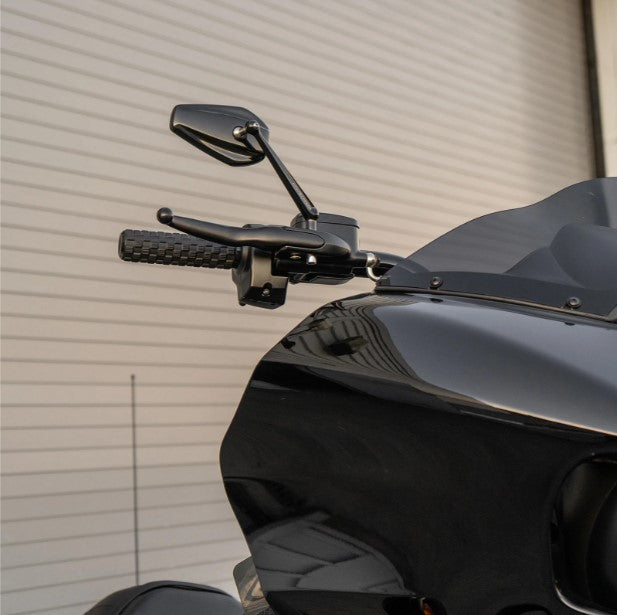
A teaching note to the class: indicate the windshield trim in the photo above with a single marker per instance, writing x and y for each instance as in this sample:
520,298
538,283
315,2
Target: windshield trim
611,318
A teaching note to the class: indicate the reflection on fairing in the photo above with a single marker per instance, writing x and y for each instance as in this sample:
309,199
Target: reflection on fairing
306,554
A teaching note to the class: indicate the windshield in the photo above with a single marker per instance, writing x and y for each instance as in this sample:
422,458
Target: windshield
558,253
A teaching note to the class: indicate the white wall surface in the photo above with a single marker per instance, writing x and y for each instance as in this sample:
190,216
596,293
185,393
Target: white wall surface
604,16
411,116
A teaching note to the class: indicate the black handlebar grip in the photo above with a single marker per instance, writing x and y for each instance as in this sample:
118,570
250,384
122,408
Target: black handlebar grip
175,249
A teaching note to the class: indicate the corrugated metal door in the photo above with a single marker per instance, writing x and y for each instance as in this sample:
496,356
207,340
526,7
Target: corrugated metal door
411,116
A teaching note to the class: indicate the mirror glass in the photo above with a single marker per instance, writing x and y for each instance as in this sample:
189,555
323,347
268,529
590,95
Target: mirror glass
210,128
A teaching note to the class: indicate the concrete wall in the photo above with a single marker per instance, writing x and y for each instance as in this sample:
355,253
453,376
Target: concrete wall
411,116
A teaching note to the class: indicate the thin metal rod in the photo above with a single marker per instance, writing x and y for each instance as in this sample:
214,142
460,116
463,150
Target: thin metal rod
135,498
299,197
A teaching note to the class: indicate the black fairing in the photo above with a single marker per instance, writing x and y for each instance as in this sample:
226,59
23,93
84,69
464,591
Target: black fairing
393,447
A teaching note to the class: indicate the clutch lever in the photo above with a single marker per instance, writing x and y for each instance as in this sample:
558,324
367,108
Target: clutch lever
270,238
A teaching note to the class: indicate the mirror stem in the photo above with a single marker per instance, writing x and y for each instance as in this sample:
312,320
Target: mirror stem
303,203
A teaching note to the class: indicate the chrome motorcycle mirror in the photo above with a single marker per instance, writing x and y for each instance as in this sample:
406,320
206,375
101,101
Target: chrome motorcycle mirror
210,128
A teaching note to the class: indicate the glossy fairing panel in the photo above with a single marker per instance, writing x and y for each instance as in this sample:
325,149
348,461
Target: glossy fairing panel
399,447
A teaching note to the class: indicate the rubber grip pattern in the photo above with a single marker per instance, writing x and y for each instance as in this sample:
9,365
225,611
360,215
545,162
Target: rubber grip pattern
176,249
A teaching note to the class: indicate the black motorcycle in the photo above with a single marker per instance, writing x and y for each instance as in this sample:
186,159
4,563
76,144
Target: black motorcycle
443,445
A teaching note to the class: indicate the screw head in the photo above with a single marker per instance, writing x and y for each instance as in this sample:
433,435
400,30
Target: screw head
265,292
436,282
574,303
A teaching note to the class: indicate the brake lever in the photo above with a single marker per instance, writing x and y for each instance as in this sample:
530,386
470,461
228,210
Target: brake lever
263,237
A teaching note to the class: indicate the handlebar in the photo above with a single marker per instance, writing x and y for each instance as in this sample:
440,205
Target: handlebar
176,249
263,259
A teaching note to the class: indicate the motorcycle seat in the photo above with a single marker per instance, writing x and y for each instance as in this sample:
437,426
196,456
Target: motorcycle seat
167,597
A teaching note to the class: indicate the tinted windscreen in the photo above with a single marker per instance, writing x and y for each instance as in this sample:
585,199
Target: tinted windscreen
559,252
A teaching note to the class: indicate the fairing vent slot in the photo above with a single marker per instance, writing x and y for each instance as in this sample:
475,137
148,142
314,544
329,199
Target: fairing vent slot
585,536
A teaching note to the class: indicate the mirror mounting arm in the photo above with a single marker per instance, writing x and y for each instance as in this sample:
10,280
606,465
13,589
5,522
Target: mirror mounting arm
303,203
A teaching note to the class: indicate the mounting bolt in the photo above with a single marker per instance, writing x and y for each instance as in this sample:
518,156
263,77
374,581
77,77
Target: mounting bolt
436,282
265,292
252,127
239,133
574,303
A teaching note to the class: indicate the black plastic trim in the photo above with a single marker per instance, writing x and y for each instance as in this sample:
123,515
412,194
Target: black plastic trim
611,318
